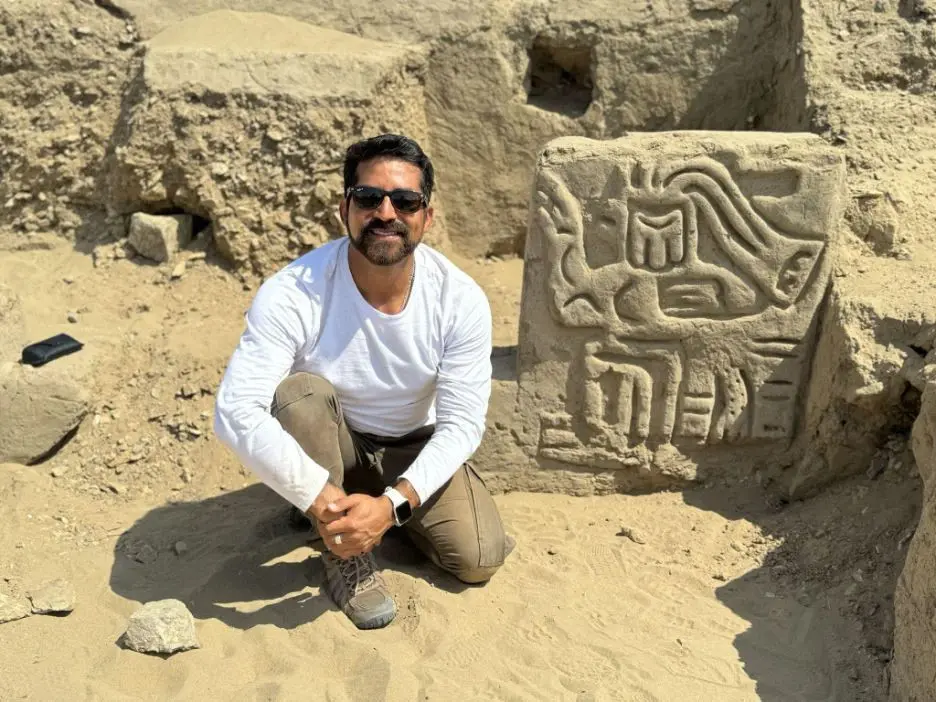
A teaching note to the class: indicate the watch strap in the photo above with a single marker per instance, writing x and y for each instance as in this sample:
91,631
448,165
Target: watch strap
397,498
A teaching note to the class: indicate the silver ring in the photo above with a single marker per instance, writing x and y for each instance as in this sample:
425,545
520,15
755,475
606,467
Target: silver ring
338,540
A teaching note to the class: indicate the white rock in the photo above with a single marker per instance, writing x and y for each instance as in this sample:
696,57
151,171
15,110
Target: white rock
164,626
158,237
12,608
56,597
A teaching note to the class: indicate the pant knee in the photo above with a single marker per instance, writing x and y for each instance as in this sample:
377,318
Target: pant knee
300,387
472,564
477,575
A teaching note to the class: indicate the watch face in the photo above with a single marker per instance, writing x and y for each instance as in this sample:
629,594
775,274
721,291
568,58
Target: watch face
404,512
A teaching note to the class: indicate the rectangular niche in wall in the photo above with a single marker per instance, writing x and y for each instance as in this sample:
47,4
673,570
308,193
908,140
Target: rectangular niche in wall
560,77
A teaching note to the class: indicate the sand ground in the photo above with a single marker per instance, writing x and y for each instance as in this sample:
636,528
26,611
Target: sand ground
728,597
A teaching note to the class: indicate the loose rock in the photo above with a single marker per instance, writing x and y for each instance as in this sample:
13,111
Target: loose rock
144,554
632,534
159,237
12,608
164,626
178,271
56,597
38,409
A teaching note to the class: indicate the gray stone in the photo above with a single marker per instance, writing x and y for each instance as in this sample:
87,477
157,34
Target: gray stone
158,237
670,293
164,626
144,553
55,597
12,608
38,409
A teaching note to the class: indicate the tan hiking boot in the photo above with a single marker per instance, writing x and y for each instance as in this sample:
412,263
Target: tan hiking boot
357,588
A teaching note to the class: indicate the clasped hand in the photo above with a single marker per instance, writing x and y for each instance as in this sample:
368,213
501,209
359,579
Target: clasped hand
357,522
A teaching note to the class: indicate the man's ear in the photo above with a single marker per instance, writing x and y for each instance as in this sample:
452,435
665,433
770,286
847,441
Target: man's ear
343,211
430,213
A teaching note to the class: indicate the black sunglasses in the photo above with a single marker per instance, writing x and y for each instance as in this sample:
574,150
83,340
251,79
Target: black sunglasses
369,198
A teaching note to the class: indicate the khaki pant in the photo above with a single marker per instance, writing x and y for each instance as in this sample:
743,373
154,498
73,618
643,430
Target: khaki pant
458,528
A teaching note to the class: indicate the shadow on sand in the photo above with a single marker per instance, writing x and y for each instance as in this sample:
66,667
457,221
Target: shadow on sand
820,608
243,561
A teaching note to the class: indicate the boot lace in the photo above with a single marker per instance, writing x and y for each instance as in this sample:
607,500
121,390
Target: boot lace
358,573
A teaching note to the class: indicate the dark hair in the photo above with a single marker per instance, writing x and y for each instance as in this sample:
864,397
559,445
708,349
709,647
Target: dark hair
388,146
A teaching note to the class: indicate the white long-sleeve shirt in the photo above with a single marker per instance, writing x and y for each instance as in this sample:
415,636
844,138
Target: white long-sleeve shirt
429,364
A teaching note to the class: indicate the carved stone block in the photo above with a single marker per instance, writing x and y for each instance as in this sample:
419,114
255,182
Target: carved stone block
670,296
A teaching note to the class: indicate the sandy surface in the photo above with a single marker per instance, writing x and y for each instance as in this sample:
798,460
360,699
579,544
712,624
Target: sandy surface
727,598
579,612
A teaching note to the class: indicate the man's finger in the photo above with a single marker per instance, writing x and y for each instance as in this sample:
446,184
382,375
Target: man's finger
330,516
345,503
339,526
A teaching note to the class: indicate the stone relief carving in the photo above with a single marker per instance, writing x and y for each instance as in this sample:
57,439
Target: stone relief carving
692,290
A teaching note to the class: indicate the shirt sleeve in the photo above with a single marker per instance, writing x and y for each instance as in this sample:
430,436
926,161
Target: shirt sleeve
463,389
276,331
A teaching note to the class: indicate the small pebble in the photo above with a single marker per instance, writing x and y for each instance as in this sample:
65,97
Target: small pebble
632,534
145,554
552,551
180,547
72,317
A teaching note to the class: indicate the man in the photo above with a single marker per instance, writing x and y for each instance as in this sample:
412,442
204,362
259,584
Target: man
359,388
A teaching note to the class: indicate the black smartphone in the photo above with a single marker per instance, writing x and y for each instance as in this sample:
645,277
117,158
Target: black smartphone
42,352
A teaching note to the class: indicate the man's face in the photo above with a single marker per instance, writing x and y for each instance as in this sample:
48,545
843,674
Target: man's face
384,235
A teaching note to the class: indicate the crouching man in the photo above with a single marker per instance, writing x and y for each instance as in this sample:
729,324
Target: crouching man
359,388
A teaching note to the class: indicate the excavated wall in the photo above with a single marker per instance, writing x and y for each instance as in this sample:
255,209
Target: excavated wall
484,91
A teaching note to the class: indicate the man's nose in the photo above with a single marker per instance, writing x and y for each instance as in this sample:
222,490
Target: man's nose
385,211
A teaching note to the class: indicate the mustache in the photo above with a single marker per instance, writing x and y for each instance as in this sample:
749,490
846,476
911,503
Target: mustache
395,226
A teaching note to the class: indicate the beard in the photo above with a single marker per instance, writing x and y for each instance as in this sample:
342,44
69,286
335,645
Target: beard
384,250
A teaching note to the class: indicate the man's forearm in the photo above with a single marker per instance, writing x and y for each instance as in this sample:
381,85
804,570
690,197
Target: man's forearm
441,457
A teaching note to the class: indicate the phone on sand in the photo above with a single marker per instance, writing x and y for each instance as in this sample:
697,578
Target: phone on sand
42,352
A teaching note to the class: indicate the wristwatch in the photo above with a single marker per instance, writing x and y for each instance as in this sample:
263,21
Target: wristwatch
402,509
